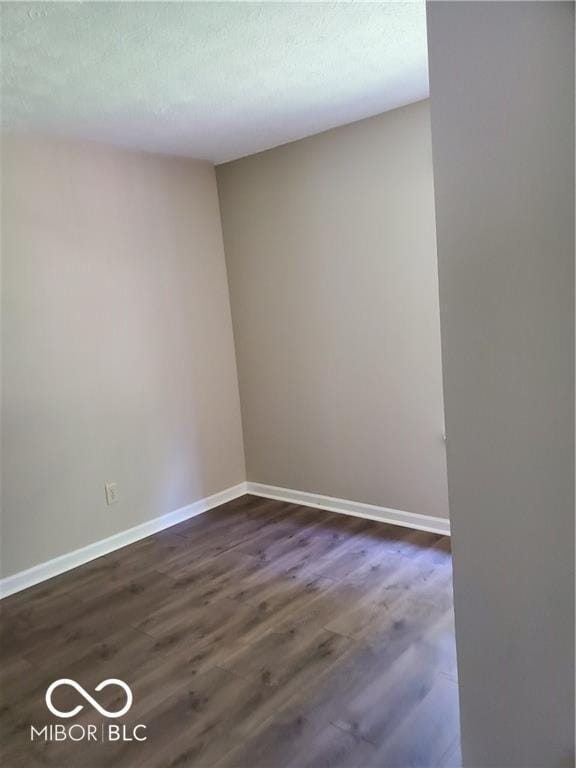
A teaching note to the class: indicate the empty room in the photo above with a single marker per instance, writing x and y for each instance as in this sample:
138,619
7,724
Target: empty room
287,385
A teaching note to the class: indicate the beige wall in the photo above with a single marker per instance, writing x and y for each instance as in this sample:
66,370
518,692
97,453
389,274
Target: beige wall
502,93
332,267
118,358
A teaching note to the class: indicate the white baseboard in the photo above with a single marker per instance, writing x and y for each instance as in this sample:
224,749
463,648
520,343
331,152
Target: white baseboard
354,508
58,565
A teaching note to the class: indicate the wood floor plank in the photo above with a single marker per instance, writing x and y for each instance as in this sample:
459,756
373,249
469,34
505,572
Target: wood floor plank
337,749
259,635
425,736
287,659
70,635
418,576
295,722
374,710
453,757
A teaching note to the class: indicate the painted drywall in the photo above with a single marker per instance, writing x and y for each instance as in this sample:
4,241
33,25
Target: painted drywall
502,96
118,356
330,248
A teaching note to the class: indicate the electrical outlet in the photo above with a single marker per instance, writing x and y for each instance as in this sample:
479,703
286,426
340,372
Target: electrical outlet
111,493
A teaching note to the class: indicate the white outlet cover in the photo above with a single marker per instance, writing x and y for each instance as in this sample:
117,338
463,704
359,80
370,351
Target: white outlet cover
111,493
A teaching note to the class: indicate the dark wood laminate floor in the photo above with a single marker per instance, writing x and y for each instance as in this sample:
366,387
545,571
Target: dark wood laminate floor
259,635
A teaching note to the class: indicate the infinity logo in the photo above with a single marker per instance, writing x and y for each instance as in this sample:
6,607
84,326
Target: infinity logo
86,695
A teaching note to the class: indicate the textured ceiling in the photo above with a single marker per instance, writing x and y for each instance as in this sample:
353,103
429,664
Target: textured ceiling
207,79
